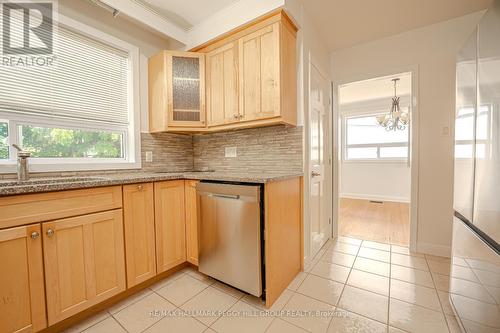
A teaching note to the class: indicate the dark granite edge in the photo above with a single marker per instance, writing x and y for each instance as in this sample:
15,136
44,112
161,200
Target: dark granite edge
140,177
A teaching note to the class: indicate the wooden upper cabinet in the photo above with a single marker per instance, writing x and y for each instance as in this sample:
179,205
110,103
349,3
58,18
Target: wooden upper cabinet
84,262
176,91
191,222
222,85
170,224
22,306
139,225
259,71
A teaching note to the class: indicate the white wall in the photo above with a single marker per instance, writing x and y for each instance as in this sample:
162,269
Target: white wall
148,42
384,181
432,50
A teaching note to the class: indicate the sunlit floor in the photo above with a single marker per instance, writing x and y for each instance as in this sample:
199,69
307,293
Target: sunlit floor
386,222
350,286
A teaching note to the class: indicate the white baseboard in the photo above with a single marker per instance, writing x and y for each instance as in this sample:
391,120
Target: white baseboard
434,249
373,197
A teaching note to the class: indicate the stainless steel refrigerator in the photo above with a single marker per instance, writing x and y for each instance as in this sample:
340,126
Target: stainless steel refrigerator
474,289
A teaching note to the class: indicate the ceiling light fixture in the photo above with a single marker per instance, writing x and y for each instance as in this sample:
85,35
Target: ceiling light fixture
395,119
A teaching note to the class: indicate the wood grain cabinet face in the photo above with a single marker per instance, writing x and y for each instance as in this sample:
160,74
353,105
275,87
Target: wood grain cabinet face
84,262
22,306
170,224
222,85
139,226
259,73
191,222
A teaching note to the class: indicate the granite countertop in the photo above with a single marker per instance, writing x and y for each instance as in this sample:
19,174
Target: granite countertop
38,185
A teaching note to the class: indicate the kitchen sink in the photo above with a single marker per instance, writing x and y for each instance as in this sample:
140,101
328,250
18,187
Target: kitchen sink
48,181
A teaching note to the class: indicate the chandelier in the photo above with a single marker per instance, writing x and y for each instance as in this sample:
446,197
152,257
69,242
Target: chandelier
395,119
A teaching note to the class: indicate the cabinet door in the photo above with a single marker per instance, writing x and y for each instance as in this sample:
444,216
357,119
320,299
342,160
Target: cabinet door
22,306
170,224
191,222
139,224
222,85
84,262
259,72
186,89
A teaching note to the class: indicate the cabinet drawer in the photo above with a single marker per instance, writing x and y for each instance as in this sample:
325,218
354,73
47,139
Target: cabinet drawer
30,208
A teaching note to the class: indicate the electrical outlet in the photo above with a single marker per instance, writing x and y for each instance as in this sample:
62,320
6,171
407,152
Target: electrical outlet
230,152
149,156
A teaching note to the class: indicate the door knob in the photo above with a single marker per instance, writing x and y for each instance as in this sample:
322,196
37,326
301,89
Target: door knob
315,174
50,232
35,235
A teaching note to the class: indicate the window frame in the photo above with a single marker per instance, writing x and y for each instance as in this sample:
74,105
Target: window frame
131,133
345,117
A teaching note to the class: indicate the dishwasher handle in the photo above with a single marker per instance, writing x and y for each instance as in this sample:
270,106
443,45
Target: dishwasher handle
225,196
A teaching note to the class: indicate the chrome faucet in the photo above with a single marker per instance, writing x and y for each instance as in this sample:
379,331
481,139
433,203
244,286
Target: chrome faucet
22,163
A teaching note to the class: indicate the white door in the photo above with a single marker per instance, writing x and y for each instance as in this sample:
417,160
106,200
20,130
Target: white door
319,100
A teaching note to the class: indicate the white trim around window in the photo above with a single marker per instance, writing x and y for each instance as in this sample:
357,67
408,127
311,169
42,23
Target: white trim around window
131,131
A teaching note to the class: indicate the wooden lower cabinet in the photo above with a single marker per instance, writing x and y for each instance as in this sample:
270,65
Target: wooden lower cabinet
191,222
22,305
170,224
139,225
84,262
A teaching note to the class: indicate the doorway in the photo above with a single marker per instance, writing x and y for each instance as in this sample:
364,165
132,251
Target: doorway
374,159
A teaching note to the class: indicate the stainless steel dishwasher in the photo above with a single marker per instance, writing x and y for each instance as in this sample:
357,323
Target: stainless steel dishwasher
229,234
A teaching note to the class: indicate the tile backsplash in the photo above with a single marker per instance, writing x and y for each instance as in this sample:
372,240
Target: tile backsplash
270,149
276,148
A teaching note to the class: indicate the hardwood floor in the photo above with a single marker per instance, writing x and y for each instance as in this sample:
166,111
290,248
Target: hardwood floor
386,222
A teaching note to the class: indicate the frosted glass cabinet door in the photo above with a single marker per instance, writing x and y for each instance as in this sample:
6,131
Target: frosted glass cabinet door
186,89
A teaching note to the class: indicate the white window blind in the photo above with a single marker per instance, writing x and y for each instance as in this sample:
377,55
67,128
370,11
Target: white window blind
88,81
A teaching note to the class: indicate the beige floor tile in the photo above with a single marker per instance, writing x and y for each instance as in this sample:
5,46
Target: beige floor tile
470,289
345,321
405,250
412,293
160,284
208,305
281,326
439,267
414,318
338,258
200,276
331,271
376,245
243,318
368,281
444,298
459,262
453,325
109,325
373,254
412,275
409,261
325,290
297,281
310,322
277,305
140,315
349,240
183,289
310,265
395,330
345,248
178,323
442,282
438,258
372,266
86,323
228,289
465,273
365,303
129,300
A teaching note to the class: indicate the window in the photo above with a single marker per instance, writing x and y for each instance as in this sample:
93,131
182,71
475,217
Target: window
464,132
365,139
79,113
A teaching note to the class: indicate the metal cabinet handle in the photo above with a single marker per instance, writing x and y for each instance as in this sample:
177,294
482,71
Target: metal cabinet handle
50,233
35,235
315,174
240,116
139,187
225,196
235,116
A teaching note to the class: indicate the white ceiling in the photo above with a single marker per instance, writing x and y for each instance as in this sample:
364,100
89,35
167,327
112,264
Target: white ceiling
375,89
188,13
345,23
